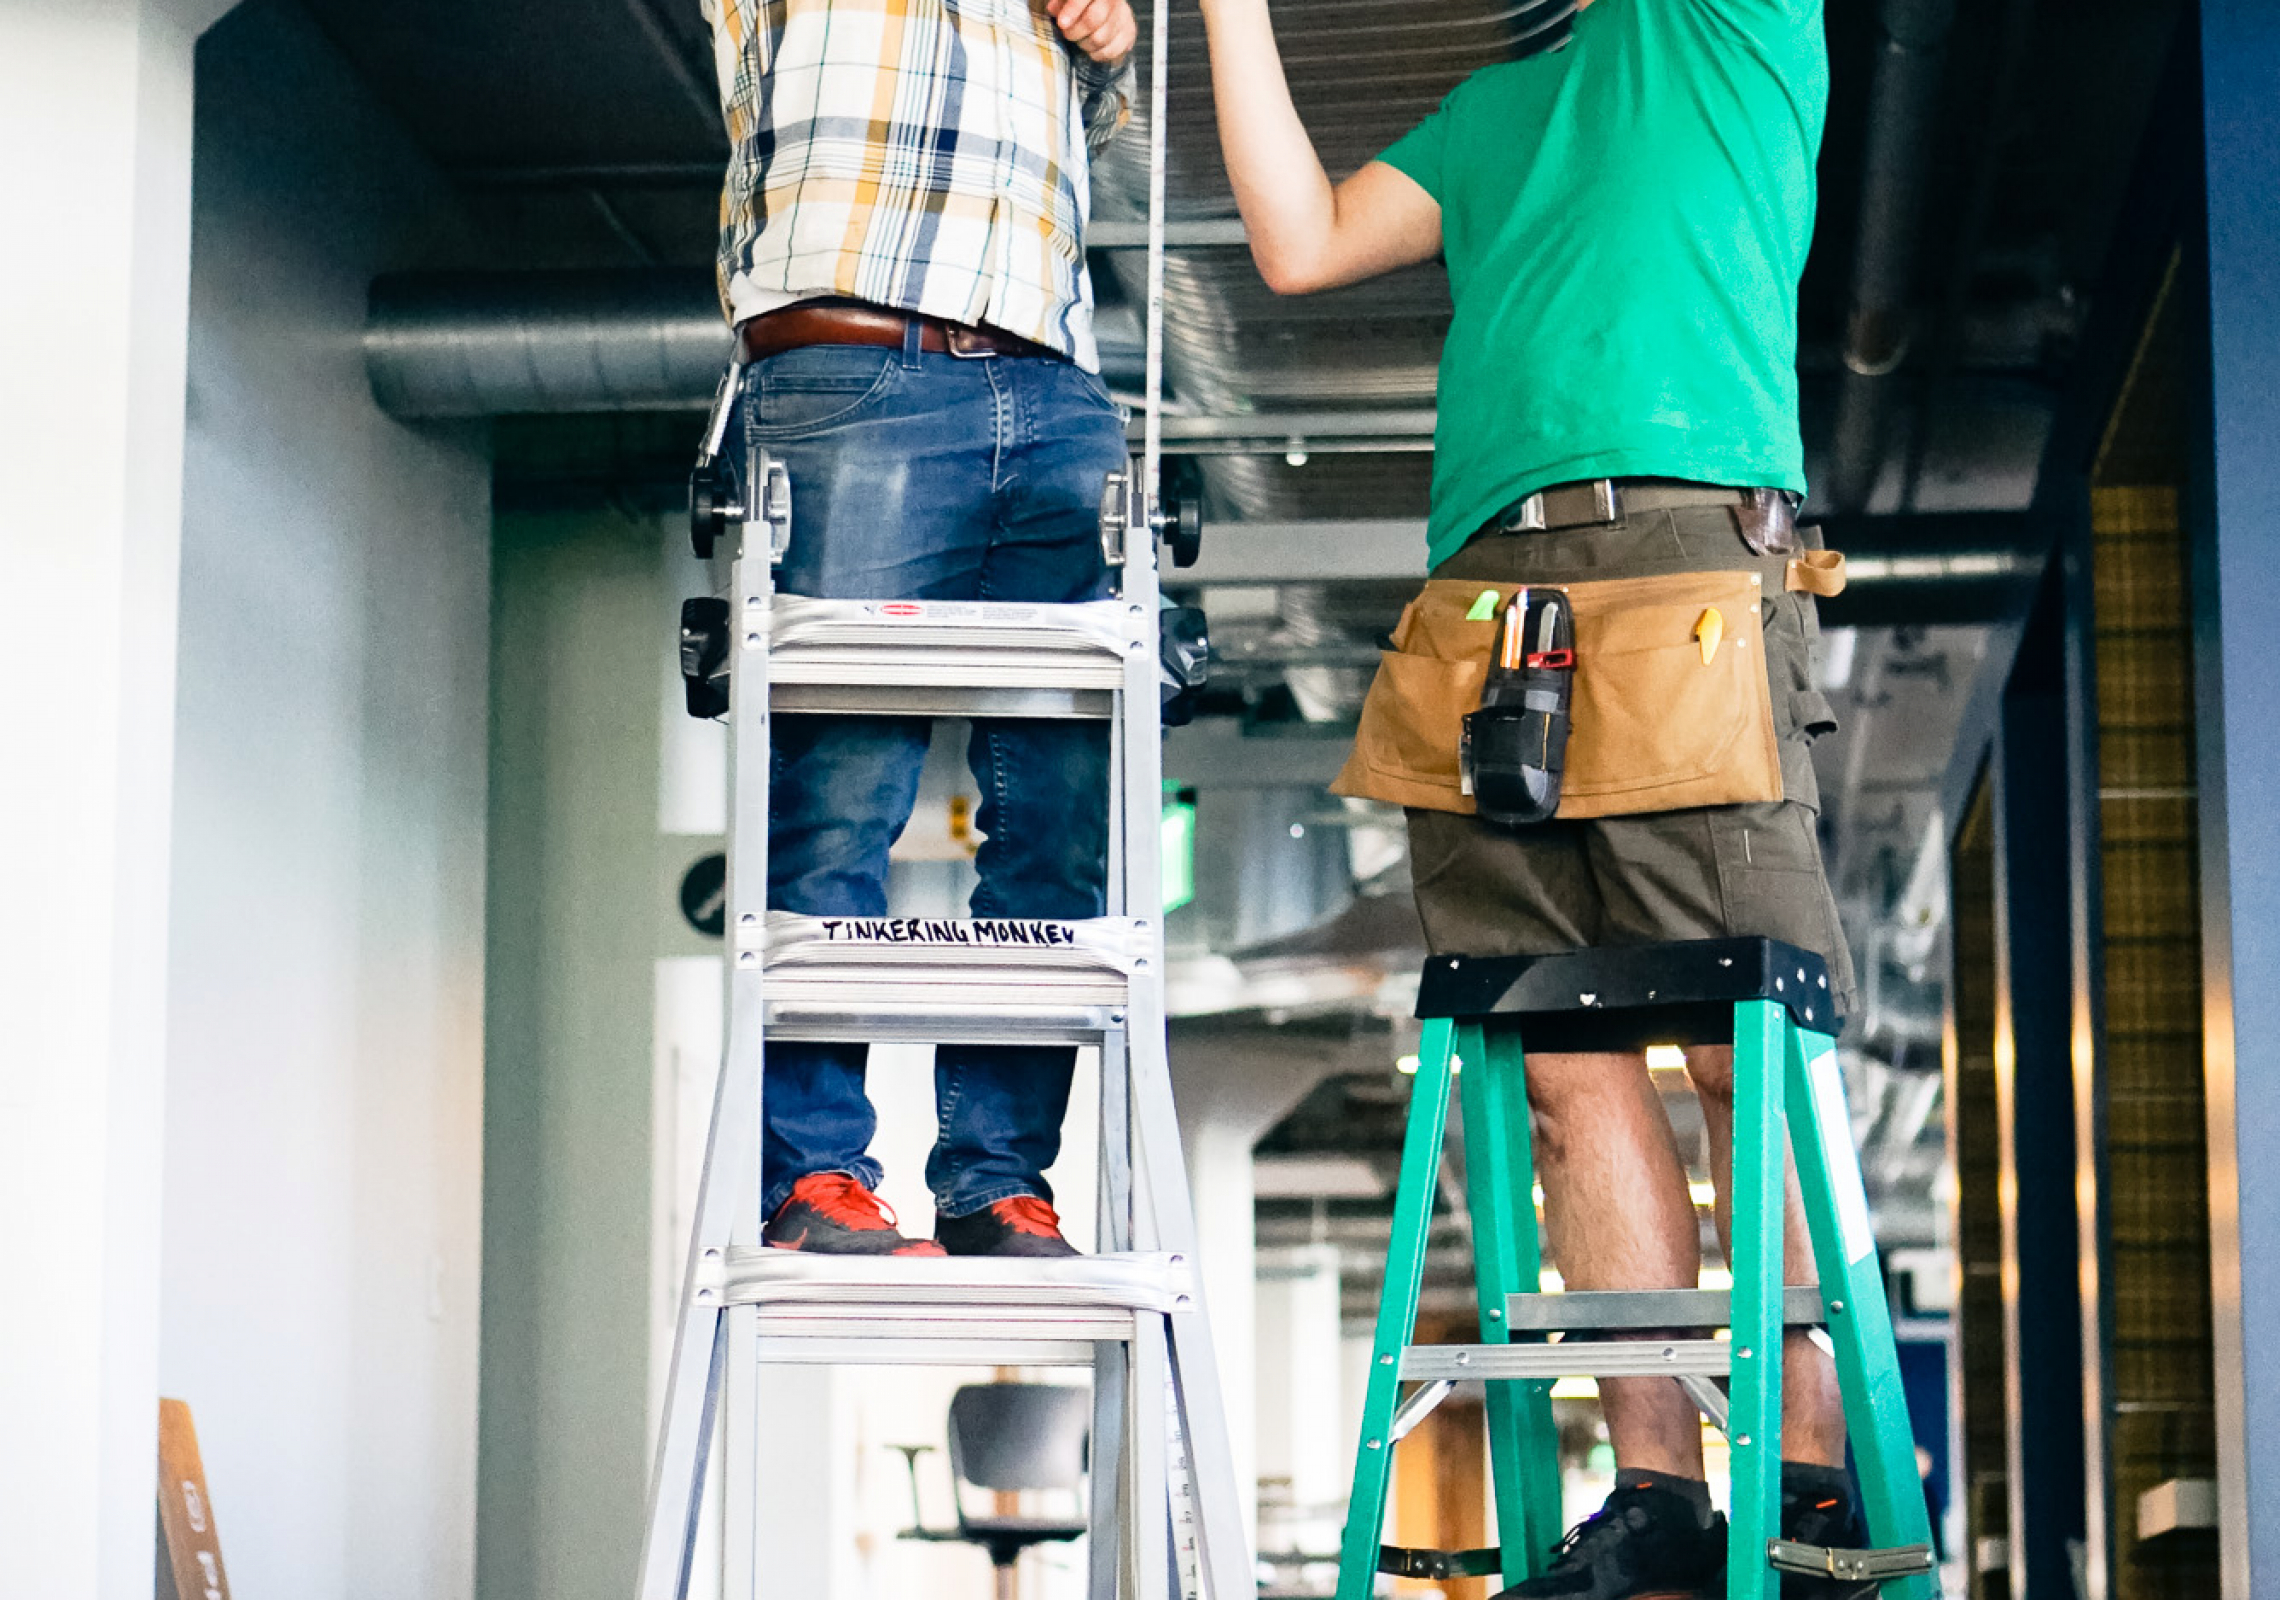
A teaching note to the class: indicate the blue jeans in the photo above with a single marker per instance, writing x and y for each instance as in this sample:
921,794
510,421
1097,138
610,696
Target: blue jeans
918,476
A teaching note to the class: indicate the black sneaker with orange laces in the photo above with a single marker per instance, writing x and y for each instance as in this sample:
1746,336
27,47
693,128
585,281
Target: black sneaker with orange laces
832,1214
1025,1225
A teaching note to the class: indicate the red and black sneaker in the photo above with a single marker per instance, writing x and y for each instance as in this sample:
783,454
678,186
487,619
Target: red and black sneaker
1024,1225
832,1214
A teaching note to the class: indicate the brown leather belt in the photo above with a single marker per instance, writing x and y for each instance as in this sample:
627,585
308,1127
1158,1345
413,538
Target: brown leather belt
836,322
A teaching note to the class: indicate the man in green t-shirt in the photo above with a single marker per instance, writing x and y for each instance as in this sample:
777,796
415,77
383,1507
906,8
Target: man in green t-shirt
1624,220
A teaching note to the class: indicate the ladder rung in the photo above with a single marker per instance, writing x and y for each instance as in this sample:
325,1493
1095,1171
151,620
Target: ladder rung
935,1311
924,1285
869,1350
1600,1310
980,1016
1610,1358
1019,698
950,950
963,644
942,979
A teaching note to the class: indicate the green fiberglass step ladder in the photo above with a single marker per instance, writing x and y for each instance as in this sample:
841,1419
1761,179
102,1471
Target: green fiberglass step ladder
1773,1001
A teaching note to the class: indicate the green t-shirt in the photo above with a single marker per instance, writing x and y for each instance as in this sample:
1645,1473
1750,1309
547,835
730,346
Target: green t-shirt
1625,221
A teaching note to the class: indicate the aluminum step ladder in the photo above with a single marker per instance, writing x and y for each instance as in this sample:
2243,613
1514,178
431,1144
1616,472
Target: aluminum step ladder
1165,1516
1133,1313
1772,1001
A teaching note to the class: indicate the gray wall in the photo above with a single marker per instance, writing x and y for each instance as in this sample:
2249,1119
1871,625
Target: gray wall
583,622
324,1097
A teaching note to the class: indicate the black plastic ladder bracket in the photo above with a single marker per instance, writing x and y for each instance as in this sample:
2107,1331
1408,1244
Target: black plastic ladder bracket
1396,1561
1851,1566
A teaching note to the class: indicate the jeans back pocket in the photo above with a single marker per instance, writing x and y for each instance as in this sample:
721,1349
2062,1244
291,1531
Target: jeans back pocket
799,391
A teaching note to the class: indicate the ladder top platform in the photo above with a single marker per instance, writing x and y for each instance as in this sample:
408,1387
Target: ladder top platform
1626,997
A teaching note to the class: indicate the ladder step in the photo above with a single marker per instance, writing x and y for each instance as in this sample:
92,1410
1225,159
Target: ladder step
1132,1280
947,658
945,979
954,1311
1601,1310
1611,1358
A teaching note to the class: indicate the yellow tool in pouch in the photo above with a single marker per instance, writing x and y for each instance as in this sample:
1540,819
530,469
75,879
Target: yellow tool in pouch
1669,709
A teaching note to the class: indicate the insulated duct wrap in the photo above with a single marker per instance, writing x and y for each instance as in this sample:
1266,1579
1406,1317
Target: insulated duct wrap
493,344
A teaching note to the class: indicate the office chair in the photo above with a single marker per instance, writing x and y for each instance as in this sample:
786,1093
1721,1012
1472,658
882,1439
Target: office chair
1008,1437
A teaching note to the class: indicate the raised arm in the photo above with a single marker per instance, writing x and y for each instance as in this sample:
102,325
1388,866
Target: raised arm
1306,233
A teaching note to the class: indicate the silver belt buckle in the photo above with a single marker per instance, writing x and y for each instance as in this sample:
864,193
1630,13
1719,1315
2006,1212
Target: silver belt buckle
1606,505
967,344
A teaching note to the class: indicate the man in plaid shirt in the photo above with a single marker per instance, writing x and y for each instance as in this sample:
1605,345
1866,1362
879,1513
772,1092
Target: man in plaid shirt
902,255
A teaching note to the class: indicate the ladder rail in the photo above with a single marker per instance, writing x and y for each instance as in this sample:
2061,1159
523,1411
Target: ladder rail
744,1048
1147,1341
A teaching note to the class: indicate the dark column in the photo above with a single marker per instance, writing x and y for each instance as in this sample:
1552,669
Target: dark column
2034,1097
2237,645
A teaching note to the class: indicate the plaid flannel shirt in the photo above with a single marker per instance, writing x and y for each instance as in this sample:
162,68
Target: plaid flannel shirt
927,155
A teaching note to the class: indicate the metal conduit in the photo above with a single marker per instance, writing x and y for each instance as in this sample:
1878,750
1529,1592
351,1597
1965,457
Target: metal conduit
1902,105
494,344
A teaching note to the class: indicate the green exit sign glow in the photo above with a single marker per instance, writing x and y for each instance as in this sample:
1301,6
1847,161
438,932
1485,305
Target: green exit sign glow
1179,847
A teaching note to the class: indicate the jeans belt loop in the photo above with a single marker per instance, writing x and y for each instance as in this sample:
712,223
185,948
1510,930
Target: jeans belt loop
913,342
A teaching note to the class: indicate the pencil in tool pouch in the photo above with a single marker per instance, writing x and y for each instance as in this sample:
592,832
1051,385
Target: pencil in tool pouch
1514,747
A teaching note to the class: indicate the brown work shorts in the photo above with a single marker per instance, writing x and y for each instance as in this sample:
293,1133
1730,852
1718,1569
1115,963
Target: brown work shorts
1706,873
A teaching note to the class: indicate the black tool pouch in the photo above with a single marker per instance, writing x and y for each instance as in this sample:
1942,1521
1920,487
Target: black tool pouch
1515,746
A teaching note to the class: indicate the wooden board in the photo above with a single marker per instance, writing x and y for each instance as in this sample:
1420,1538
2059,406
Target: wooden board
193,1546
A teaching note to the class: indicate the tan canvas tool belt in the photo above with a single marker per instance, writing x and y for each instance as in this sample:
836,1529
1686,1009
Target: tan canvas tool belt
1671,707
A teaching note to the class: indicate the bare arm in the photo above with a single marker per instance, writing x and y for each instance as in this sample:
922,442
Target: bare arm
1306,234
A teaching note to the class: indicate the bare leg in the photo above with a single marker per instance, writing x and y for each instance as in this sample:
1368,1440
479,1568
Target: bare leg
1812,1406
1616,1206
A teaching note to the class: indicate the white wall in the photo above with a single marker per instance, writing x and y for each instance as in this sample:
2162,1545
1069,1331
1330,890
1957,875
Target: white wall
95,100
324,1110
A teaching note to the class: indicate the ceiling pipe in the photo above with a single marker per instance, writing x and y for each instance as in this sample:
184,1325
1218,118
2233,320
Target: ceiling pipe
1902,104
497,344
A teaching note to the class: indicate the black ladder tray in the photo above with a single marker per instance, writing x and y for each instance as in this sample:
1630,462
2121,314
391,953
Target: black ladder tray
1627,997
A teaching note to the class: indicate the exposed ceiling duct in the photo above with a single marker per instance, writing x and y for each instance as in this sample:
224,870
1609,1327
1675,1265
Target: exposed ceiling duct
495,344
1901,111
